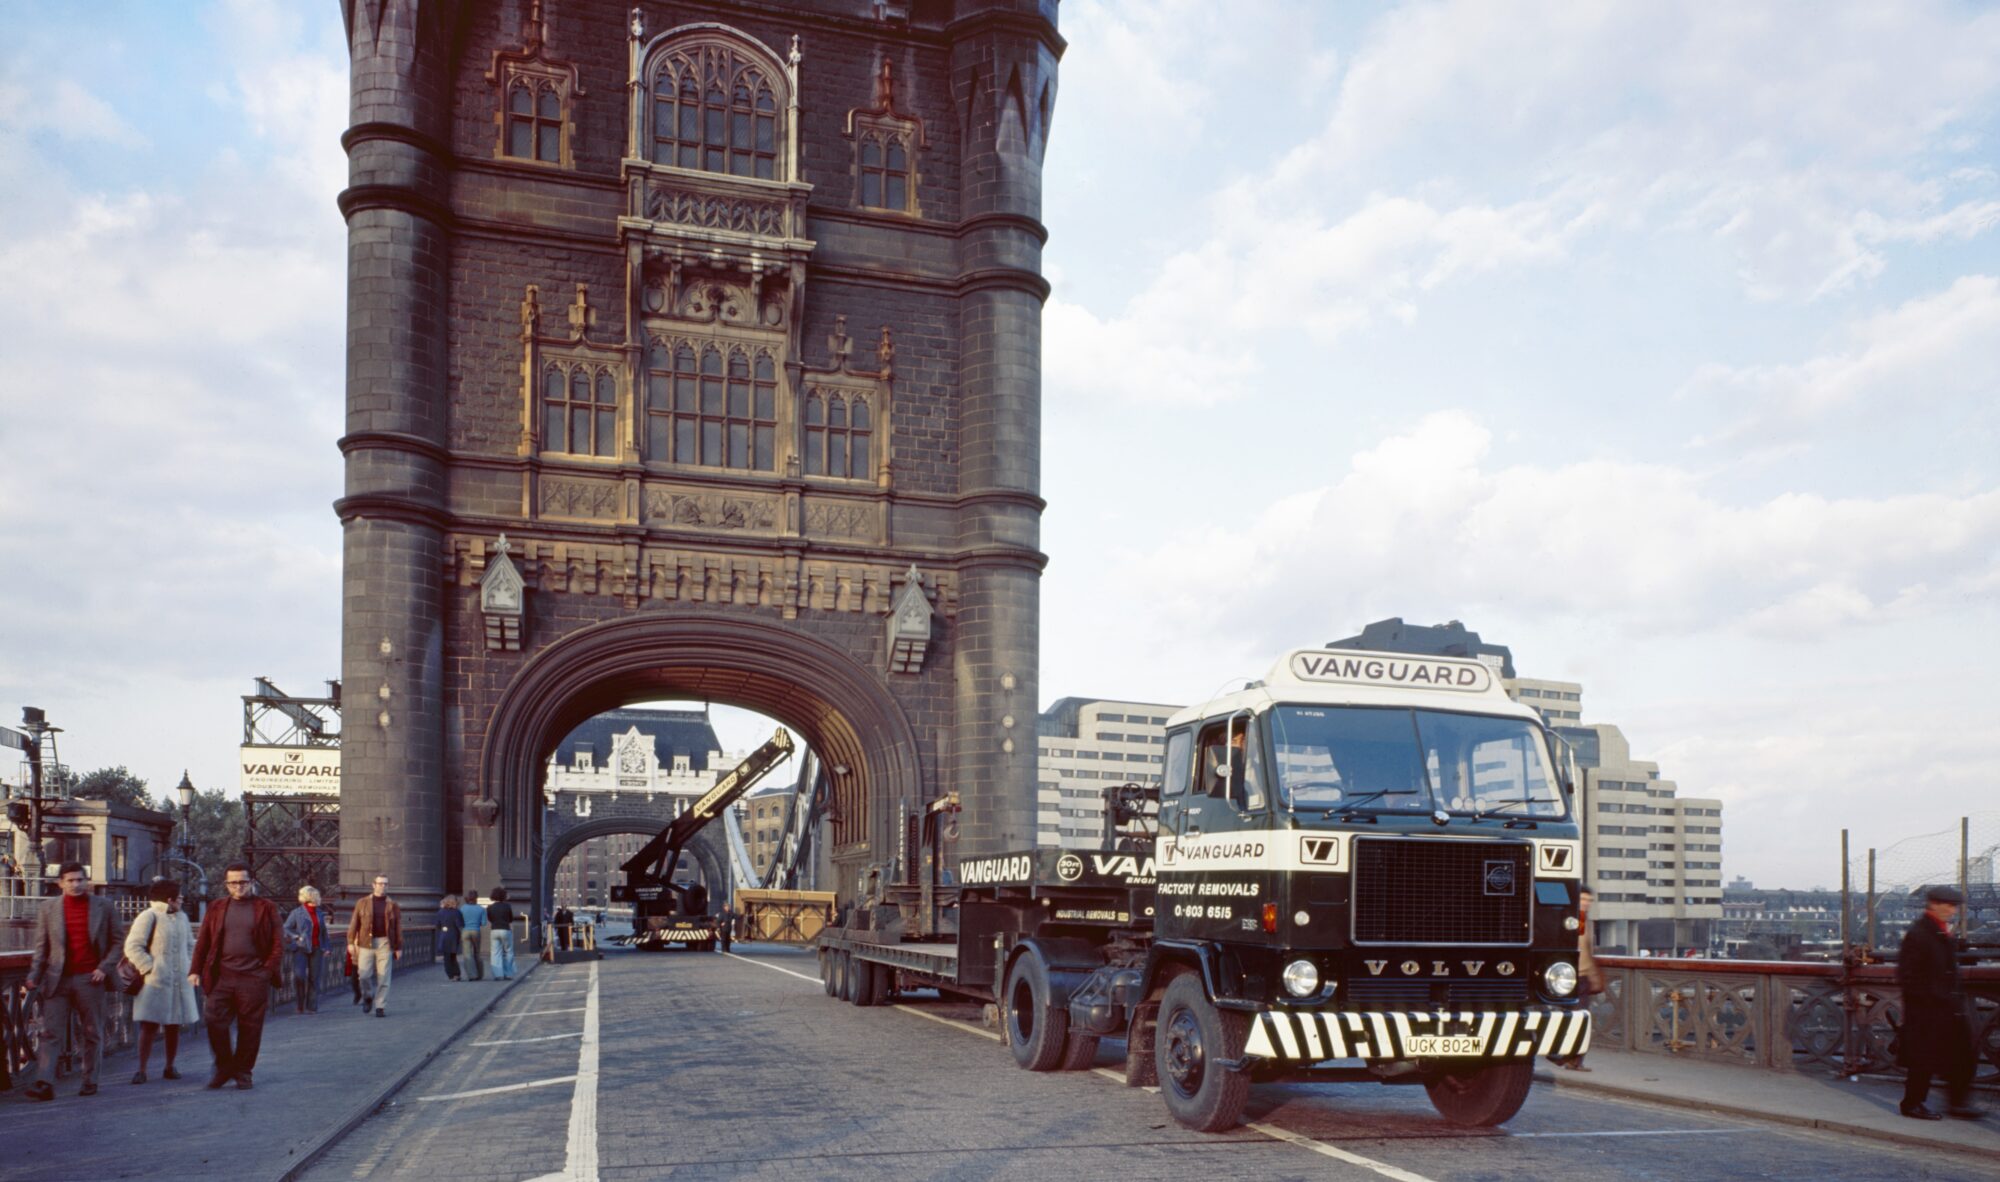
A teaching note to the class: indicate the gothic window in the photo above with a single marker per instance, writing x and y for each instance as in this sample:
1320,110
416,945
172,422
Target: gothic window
839,428
717,111
885,171
580,410
534,120
711,409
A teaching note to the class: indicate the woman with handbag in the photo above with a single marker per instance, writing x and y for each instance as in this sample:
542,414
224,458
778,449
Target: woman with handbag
450,923
159,953
306,938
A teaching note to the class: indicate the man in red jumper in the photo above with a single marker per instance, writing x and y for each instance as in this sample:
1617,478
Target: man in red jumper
76,944
237,958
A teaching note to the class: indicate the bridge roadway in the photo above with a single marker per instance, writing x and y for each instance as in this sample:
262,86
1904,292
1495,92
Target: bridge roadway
690,1065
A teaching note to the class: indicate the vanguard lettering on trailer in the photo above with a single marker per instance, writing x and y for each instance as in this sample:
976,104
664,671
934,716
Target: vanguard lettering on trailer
1364,867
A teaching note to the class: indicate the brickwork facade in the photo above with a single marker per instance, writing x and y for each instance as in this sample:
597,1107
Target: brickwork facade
726,316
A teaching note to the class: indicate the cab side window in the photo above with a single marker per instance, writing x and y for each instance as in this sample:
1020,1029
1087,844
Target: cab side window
1232,745
1180,751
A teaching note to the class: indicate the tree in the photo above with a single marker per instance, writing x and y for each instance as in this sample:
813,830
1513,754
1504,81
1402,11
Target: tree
113,784
219,828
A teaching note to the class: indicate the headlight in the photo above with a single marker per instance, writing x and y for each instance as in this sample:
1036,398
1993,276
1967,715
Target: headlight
1560,977
1302,978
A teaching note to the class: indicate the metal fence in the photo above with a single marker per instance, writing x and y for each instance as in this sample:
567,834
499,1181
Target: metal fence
1783,1015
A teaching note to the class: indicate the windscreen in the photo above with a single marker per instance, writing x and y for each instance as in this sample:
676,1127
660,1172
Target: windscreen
1340,758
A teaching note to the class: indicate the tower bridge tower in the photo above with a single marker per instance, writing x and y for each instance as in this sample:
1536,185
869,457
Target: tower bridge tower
693,351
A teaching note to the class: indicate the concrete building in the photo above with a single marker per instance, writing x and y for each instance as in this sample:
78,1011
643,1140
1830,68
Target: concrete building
1654,857
1087,745
120,844
763,820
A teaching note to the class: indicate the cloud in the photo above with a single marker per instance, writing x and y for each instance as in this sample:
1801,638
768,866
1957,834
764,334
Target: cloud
1427,518
1932,351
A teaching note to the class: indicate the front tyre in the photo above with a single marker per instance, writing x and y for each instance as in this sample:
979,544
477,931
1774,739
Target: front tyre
1483,1096
1190,1043
1036,1031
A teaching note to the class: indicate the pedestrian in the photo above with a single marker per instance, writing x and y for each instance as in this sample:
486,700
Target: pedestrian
306,936
376,936
565,927
75,944
1590,975
160,946
450,923
500,922
353,975
469,952
1936,1039
237,958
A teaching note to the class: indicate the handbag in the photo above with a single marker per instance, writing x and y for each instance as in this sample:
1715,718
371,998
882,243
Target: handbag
127,975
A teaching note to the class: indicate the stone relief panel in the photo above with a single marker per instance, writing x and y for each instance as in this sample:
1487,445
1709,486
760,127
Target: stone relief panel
593,499
684,206
843,519
708,510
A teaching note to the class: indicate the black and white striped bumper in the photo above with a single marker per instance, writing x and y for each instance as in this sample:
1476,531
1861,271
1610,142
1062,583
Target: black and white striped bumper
1312,1036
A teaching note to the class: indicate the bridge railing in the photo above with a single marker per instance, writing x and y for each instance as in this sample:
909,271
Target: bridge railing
1781,1015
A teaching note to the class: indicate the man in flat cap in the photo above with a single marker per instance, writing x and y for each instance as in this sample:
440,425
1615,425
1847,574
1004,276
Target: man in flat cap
1936,1039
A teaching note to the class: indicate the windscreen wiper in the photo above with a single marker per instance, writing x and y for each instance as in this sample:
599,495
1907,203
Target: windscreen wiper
1480,814
1349,806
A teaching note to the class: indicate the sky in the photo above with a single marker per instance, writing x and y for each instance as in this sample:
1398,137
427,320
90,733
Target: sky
1658,343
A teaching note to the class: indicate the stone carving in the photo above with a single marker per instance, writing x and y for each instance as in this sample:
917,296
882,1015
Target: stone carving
712,510
687,207
838,520
579,498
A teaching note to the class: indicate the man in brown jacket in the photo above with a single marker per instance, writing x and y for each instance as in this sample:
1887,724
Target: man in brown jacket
76,944
376,935
237,958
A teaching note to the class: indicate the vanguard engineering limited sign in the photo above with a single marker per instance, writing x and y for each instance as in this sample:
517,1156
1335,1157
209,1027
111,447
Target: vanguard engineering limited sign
290,769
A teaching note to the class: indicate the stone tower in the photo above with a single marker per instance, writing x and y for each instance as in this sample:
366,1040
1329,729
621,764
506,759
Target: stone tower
693,351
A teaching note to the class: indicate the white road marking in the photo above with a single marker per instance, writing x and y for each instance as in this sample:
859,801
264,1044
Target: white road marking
774,968
580,1154
519,1087
1644,1133
532,1013
1336,1153
508,1042
1271,1131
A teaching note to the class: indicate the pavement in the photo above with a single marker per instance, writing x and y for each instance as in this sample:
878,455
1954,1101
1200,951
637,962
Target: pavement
346,1096
1865,1107
318,1075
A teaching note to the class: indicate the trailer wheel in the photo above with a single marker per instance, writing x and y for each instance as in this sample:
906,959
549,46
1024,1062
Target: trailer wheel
1189,1044
867,990
1036,1032
1484,1096
826,971
844,974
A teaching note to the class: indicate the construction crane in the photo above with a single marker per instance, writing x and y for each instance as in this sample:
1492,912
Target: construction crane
664,911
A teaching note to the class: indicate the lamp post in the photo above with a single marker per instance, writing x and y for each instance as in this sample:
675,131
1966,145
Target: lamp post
186,790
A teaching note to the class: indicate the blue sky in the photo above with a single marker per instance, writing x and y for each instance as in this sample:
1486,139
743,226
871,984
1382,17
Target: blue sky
1659,344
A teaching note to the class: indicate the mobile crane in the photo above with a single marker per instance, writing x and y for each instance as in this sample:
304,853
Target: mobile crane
664,911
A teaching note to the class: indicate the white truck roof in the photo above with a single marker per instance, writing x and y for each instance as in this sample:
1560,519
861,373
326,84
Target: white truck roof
1354,677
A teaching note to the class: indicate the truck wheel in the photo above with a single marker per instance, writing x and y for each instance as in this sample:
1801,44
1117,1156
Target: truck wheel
1484,1096
844,974
866,976
1190,1041
1036,1032
826,971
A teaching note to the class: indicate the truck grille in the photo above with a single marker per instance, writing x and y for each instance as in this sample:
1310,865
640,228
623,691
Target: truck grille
1441,892
1456,995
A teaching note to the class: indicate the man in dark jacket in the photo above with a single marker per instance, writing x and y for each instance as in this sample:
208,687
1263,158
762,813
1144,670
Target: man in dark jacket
1936,1039
76,944
237,958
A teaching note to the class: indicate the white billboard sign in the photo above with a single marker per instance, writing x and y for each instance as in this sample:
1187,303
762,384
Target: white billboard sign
290,769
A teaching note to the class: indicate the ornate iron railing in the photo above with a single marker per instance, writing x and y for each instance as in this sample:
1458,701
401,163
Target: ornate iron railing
1783,1015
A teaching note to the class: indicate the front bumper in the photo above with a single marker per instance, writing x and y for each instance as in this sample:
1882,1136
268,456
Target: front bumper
1312,1036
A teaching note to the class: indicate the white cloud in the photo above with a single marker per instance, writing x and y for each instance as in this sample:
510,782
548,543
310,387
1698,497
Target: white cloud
1932,351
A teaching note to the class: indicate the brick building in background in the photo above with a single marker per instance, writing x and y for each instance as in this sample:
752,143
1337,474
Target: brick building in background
693,352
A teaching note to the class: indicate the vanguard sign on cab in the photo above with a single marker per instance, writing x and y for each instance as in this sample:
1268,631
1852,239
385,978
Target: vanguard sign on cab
290,769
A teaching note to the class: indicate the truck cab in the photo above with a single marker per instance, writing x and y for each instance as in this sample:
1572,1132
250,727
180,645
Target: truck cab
1367,867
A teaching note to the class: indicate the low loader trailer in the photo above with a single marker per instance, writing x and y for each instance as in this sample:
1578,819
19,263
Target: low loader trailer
1364,867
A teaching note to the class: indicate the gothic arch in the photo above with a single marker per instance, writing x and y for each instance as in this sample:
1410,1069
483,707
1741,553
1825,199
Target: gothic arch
838,706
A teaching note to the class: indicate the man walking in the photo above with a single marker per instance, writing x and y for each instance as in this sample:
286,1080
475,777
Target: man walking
237,958
75,946
1936,1039
471,936
376,934
500,935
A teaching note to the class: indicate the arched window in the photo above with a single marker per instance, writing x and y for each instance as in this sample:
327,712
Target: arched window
580,411
838,435
885,173
534,121
715,110
714,412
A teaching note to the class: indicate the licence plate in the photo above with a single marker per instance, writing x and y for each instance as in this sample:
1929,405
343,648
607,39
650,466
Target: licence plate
1443,1045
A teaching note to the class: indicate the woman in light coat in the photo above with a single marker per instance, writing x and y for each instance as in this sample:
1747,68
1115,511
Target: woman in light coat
306,939
161,946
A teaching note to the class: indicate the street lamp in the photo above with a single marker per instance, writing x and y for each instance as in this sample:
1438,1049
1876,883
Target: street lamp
186,790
